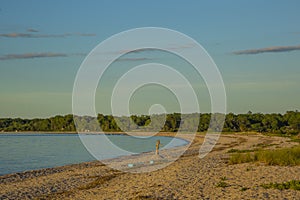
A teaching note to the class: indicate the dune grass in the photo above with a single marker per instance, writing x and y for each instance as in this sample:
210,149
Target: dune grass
282,157
295,138
241,151
293,184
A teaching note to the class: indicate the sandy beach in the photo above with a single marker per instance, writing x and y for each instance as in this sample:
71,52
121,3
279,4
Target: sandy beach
187,178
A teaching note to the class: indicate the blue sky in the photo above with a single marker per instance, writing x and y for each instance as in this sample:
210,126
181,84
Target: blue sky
255,45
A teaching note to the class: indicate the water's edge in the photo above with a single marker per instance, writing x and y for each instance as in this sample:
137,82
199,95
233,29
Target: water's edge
50,170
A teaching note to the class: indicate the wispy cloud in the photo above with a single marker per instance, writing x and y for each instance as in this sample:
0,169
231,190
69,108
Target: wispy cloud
33,34
275,49
84,34
185,46
170,47
31,56
132,59
51,54
79,54
32,30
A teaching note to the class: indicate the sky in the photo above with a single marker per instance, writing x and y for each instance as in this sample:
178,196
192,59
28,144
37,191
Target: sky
255,45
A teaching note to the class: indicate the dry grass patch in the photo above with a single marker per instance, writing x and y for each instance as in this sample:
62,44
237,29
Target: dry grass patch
282,157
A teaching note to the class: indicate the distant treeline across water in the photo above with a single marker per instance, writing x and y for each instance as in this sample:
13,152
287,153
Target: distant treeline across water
288,123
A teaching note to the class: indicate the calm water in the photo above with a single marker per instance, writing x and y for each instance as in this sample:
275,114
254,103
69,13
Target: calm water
21,152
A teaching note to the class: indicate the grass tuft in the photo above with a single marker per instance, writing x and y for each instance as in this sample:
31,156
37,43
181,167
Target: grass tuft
222,184
244,189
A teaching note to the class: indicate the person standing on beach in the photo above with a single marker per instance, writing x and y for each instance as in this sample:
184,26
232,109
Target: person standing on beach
157,147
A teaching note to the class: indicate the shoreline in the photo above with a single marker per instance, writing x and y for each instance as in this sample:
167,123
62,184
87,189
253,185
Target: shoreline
188,177
161,134
184,137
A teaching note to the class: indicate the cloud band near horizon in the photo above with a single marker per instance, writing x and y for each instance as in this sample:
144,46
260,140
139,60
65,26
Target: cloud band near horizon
53,55
31,55
32,35
275,49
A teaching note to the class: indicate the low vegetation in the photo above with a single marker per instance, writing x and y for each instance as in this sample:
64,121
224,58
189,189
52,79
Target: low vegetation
238,158
282,157
241,151
293,184
244,189
295,138
222,184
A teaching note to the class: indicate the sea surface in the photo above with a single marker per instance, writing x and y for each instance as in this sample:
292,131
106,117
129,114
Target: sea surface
22,152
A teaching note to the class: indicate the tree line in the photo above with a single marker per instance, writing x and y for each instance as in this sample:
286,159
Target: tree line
288,123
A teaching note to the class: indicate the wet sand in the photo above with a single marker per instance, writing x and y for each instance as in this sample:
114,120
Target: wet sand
187,178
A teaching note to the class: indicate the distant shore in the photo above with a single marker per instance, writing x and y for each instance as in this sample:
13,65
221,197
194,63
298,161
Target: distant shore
167,134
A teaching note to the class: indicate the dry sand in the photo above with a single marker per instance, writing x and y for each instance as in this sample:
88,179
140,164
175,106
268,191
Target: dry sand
188,178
